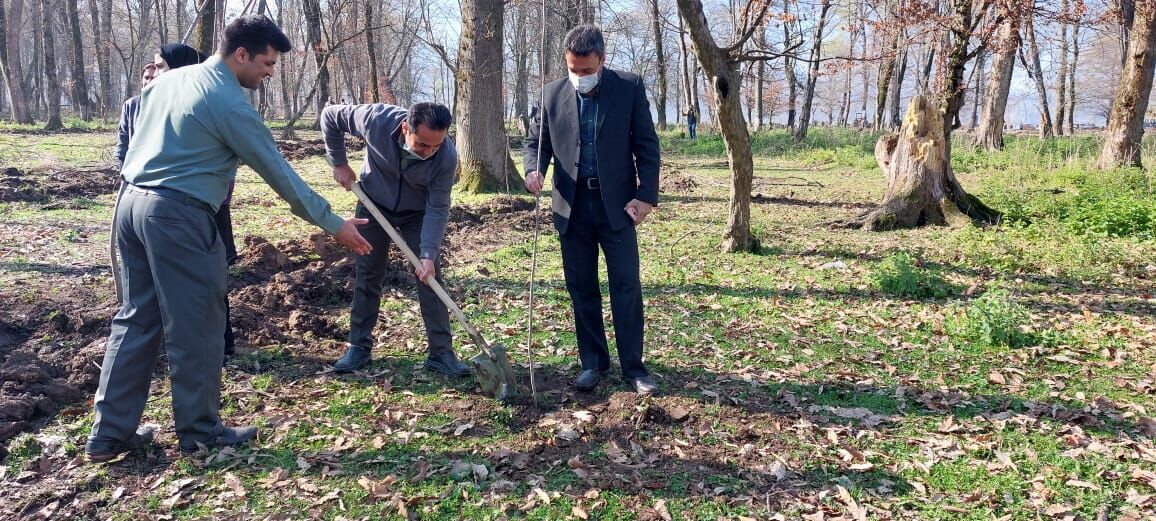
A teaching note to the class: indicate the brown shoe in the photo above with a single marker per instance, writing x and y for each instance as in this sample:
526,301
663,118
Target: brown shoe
100,450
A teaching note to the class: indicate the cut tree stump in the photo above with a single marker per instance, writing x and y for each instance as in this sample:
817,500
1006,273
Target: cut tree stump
921,188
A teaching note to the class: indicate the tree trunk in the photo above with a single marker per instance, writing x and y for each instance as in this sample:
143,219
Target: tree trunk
727,85
990,135
1037,75
660,66
689,74
789,67
371,51
287,107
206,25
102,74
521,54
312,10
886,69
34,80
897,92
79,82
812,74
1072,77
760,92
1062,77
52,80
10,60
1126,122
978,97
484,161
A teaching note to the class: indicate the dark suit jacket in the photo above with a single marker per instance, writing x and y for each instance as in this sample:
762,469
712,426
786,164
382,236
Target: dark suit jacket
625,142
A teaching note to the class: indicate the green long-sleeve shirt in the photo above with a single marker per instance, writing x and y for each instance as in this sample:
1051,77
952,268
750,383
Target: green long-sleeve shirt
194,125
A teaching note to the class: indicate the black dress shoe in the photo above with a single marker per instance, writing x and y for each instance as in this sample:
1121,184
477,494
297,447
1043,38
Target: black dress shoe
587,380
644,385
446,363
229,436
100,450
355,358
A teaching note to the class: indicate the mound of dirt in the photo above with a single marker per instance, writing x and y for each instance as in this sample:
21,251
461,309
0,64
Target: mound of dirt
675,183
40,188
50,353
479,229
300,149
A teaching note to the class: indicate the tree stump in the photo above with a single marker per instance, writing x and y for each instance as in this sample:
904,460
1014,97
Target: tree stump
921,188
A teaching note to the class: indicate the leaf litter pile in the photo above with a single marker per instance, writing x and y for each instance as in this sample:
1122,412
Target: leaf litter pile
826,426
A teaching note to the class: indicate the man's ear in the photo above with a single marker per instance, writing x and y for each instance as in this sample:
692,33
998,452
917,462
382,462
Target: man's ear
242,54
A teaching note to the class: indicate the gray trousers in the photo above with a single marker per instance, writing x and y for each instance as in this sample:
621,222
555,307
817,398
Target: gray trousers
174,292
371,270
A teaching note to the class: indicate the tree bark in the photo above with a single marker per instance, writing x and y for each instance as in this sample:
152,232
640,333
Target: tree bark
206,27
100,37
1126,122
689,74
371,52
1037,75
33,79
978,98
521,54
660,66
812,73
79,82
484,161
1072,76
50,74
897,92
789,67
1062,77
727,85
990,135
10,60
312,9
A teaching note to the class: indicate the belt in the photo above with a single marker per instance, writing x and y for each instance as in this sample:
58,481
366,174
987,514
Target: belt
589,183
172,195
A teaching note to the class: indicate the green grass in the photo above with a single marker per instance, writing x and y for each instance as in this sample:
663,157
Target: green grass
903,375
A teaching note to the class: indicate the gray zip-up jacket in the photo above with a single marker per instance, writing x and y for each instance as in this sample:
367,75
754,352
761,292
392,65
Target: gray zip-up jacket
423,186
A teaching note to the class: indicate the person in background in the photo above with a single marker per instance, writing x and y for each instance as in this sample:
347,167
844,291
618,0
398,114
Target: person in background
692,123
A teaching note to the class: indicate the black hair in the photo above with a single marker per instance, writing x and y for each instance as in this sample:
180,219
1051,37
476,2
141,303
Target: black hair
585,40
255,33
178,55
434,116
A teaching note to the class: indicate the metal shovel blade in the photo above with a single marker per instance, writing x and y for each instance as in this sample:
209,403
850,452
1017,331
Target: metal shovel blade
495,376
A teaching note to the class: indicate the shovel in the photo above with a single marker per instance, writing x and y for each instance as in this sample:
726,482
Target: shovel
495,376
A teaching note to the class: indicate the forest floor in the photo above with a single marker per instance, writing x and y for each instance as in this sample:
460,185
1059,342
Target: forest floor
941,373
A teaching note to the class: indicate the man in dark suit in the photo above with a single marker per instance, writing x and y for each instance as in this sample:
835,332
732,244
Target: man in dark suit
597,127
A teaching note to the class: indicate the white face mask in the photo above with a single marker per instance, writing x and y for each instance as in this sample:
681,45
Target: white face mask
412,154
584,84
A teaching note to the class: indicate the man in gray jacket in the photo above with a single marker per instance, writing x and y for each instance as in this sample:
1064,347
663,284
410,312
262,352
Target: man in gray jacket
408,173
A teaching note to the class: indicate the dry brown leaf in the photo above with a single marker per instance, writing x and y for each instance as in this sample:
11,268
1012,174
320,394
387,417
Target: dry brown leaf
463,428
1082,484
235,485
660,508
996,378
579,512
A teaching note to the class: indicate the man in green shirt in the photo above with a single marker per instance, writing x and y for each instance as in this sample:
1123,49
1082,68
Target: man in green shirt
195,123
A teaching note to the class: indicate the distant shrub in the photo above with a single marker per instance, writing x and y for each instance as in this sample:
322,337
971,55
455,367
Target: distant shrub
900,275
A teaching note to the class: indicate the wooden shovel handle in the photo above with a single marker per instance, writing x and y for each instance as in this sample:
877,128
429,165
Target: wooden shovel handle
413,259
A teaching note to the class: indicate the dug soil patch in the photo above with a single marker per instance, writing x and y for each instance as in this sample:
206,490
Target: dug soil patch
42,187
296,149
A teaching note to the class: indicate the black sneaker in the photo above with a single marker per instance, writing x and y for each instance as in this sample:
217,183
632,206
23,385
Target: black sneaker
355,358
446,363
227,437
100,450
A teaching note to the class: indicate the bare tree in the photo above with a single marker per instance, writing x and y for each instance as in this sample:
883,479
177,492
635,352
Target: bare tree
1062,75
484,162
990,135
1035,71
52,79
79,82
205,25
312,9
660,66
10,60
1126,122
1072,72
812,72
371,53
721,65
689,71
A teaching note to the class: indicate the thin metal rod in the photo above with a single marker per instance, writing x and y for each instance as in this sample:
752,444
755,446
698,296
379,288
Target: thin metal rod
537,204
